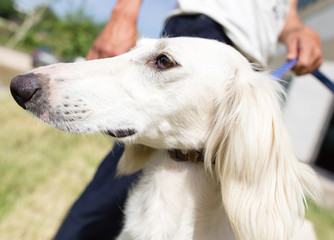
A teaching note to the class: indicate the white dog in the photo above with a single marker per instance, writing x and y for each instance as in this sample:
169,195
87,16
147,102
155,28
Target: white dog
206,129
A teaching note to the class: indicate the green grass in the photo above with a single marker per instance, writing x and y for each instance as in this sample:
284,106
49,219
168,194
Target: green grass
34,161
323,221
42,171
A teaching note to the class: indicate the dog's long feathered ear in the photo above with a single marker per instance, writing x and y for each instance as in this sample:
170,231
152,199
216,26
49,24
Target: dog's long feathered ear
134,158
263,185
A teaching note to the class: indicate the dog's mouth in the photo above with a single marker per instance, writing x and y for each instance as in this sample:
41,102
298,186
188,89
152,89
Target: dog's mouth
121,133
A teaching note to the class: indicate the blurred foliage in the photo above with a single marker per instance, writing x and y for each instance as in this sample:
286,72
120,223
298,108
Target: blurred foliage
68,37
7,9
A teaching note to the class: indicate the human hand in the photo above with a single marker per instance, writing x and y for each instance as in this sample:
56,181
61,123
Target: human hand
120,33
117,37
305,44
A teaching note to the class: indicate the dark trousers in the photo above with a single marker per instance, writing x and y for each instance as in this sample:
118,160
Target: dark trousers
98,213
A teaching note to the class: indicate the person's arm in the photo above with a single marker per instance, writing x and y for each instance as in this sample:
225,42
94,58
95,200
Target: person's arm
120,33
302,42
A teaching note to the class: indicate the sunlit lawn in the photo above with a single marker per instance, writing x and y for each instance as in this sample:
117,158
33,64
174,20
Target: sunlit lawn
43,170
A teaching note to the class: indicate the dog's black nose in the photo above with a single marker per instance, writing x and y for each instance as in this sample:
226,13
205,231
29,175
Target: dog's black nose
24,87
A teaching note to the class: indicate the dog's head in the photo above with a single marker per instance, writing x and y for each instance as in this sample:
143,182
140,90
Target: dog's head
186,93
159,94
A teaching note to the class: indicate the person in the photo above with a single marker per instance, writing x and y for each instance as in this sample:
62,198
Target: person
253,27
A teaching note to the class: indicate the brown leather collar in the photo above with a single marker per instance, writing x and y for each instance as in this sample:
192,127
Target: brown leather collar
186,155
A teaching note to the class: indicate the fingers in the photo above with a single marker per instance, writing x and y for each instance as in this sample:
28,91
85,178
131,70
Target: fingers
113,42
292,49
304,44
309,59
92,54
102,48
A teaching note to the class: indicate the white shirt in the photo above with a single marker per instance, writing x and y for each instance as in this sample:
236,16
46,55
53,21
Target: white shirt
252,25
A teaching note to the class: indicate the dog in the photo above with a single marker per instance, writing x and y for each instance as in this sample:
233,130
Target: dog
203,125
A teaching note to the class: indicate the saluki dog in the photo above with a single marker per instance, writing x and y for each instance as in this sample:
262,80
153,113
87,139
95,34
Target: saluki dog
203,125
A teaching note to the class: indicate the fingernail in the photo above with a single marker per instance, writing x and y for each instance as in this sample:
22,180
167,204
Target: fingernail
290,56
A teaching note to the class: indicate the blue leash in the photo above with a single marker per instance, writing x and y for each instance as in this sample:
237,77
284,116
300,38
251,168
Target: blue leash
325,80
288,65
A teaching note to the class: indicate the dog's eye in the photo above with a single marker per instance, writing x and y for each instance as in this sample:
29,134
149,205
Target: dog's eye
164,62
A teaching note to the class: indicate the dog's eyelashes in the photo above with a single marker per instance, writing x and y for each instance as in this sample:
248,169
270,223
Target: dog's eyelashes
164,62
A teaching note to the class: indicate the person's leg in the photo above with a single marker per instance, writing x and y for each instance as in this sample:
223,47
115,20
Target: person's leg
98,214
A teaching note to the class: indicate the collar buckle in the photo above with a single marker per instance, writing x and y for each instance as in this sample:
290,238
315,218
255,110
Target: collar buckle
186,155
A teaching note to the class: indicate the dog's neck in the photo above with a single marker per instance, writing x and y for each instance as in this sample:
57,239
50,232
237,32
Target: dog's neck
197,213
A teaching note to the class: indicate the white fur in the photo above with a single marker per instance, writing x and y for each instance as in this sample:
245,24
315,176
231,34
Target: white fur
211,100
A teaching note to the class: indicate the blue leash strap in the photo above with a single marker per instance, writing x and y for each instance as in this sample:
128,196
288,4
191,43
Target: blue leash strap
325,80
288,65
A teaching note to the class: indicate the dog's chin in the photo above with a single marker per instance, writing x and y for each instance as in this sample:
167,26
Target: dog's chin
121,133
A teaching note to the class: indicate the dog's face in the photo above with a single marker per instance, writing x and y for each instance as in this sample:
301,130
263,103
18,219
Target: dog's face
157,94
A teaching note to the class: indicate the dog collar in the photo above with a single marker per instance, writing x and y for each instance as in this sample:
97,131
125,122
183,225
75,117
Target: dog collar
186,155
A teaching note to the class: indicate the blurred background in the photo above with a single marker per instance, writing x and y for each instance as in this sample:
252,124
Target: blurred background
42,170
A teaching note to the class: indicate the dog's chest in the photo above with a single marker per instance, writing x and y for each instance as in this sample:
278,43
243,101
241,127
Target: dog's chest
173,200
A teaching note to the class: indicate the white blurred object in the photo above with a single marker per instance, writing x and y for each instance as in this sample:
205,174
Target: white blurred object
79,59
43,56
307,113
